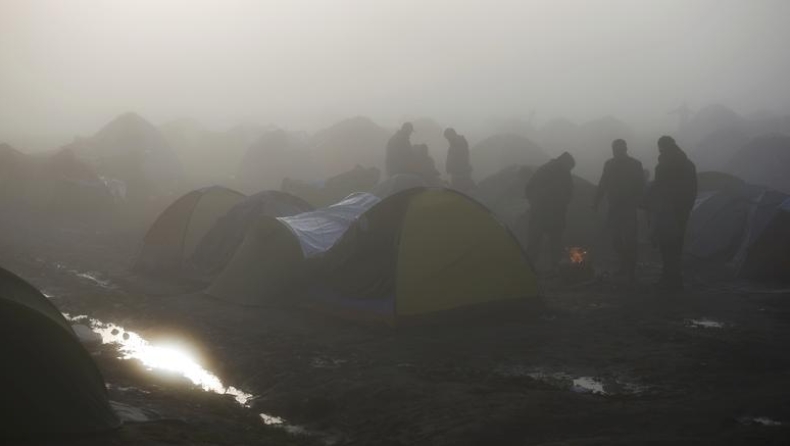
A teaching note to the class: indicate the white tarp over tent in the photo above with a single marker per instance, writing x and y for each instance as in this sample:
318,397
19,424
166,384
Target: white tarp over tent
318,230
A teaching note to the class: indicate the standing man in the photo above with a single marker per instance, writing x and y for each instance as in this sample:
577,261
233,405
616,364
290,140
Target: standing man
670,201
399,151
457,165
549,192
622,183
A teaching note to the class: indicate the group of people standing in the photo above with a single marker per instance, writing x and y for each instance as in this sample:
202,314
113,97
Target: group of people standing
668,202
404,158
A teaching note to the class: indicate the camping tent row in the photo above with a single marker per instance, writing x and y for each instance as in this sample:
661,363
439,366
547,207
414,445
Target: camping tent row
53,386
744,227
416,251
199,232
57,184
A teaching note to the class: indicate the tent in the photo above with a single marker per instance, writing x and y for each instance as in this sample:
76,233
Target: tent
347,143
397,183
273,157
56,184
765,249
208,156
132,150
499,151
764,161
717,224
272,256
420,252
220,243
334,189
176,233
714,181
53,387
745,229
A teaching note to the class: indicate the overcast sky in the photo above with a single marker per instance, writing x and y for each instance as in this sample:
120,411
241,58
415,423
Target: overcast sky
68,66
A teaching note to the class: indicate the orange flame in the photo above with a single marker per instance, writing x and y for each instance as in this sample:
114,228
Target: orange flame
577,255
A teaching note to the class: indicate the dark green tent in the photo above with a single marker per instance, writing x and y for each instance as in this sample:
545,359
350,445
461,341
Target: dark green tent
53,387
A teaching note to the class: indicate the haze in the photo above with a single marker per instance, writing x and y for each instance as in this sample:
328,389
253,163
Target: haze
68,67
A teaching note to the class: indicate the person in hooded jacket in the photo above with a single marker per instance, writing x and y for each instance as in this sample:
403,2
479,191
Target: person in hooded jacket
623,184
549,191
670,201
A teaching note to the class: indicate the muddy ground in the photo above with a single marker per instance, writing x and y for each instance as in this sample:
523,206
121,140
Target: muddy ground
595,364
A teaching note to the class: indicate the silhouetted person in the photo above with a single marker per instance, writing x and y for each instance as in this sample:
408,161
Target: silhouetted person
622,183
457,165
670,201
424,166
399,151
549,192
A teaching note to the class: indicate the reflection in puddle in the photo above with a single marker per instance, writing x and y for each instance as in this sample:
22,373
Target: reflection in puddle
172,358
326,363
760,421
704,323
94,277
582,384
278,422
585,384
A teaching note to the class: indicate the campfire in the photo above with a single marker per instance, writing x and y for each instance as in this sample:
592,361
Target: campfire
577,268
577,255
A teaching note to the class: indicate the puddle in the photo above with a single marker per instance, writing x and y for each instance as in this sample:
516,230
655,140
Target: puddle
132,414
176,359
579,384
326,363
94,277
127,389
166,357
293,429
586,384
278,422
704,323
760,421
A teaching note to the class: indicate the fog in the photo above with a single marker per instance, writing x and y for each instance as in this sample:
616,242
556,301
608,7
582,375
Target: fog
69,67
398,222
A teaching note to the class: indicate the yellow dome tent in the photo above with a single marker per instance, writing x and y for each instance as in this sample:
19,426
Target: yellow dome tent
419,252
